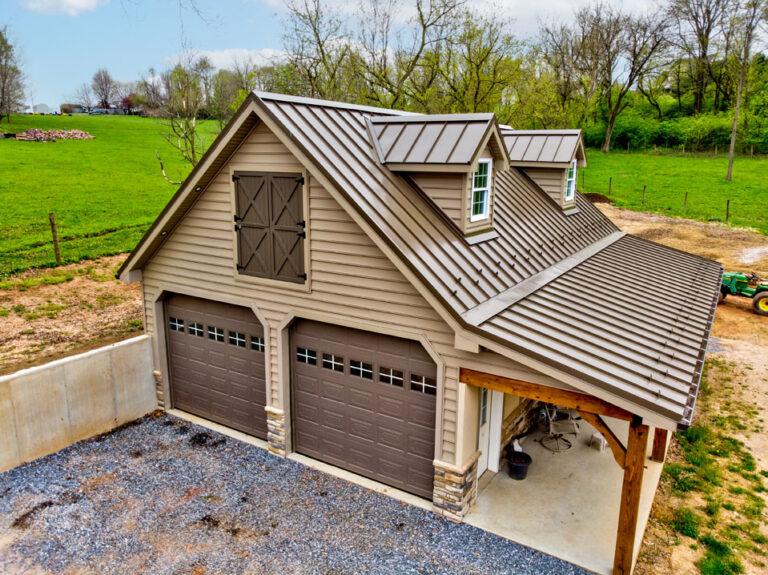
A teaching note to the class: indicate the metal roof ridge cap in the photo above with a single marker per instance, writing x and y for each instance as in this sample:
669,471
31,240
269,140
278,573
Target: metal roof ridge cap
417,117
276,97
491,307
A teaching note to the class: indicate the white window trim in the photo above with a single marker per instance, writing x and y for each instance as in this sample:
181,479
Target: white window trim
569,181
487,207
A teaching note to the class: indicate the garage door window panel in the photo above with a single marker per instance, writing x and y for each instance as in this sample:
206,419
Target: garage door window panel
176,324
215,334
333,362
391,376
257,343
237,339
360,369
306,356
196,329
423,384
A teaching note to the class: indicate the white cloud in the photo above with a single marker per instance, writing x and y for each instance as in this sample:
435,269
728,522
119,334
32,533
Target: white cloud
225,59
68,7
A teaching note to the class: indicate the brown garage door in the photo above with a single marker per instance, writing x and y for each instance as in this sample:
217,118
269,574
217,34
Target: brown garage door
216,353
365,402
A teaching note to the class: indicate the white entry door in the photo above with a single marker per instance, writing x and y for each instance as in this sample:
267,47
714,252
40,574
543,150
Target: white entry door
489,433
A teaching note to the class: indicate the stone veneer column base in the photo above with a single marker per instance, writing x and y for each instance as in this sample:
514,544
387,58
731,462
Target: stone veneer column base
275,431
455,488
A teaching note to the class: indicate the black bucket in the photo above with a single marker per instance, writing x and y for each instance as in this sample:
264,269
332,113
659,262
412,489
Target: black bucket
517,464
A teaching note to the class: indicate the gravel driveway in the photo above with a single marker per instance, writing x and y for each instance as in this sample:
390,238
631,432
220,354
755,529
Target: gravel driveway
162,495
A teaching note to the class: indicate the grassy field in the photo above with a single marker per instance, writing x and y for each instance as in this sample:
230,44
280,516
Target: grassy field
105,192
669,177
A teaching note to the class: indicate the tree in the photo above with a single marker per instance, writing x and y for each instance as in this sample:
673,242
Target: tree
185,99
150,90
104,88
697,22
84,97
752,14
560,50
11,78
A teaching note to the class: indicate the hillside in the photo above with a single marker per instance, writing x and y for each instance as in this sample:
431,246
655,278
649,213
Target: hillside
104,192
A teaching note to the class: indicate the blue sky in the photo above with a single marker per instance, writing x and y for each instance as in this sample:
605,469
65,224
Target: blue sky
63,42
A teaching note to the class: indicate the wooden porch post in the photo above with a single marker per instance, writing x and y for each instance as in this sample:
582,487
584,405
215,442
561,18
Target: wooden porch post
634,465
659,445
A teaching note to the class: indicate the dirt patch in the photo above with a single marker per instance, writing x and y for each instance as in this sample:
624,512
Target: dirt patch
598,198
204,439
23,520
47,314
737,249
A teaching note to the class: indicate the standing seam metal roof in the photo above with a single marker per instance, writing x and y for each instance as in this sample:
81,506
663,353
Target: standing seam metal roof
636,341
542,146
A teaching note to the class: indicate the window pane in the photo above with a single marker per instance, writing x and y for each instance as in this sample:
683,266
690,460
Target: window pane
176,324
423,384
478,202
391,376
215,333
196,329
257,343
307,356
360,369
236,338
333,362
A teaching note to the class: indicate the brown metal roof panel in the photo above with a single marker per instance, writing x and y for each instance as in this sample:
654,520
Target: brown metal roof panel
446,142
401,150
470,141
517,145
388,138
549,149
533,151
422,148
567,149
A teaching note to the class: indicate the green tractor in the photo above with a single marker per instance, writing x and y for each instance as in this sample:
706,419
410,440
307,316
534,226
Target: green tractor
746,285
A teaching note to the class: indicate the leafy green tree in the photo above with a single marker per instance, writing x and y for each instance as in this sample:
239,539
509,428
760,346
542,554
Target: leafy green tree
11,77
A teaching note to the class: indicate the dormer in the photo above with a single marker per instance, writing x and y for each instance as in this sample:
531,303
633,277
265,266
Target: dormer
551,158
452,158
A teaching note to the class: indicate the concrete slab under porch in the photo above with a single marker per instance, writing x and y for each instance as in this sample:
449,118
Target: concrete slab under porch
568,505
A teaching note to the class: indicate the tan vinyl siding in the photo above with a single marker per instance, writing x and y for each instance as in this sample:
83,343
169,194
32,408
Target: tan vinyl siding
351,279
445,190
551,180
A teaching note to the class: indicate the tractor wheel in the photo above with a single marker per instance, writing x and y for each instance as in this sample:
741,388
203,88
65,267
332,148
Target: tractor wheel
760,303
721,297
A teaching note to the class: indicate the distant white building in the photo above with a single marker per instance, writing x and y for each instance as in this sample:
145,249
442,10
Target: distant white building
41,109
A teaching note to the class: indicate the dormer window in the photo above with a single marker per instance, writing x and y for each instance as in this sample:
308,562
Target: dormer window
570,182
481,190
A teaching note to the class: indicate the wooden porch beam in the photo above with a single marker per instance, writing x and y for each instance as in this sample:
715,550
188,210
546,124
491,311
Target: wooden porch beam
637,444
571,399
618,449
659,449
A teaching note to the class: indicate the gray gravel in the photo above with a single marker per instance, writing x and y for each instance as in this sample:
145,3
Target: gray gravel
162,495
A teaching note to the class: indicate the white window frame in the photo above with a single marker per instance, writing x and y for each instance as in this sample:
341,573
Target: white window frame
361,369
423,384
176,324
391,376
257,343
570,181
306,356
237,339
216,334
487,202
333,362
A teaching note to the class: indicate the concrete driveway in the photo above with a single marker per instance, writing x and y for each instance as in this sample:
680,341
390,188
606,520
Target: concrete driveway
162,495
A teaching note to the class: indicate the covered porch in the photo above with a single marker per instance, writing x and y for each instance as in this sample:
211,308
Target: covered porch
584,505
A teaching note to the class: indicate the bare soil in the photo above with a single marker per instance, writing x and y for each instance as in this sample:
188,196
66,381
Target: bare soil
45,322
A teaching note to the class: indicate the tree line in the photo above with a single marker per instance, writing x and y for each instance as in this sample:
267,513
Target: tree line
685,73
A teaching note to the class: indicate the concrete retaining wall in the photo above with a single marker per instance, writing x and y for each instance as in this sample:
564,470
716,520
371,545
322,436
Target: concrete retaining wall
46,408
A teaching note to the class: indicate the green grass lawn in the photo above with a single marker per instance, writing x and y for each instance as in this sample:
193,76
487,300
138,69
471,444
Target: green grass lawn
105,192
669,177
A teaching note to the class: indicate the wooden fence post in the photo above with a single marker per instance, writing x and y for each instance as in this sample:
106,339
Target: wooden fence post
644,194
610,185
55,235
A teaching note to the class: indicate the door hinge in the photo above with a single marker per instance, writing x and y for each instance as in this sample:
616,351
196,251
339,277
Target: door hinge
239,267
302,276
300,181
235,178
301,234
238,219
238,227
302,224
